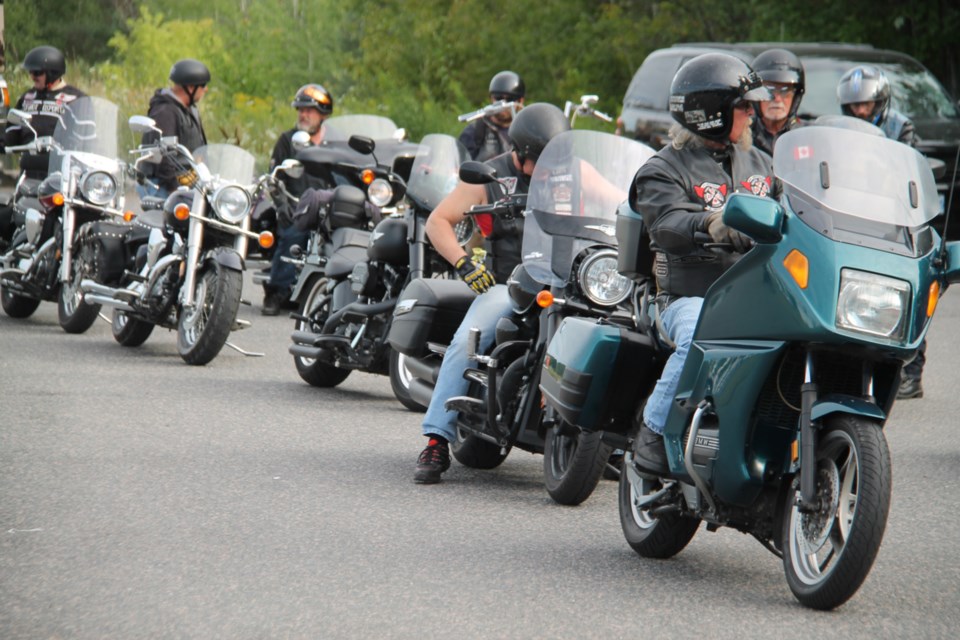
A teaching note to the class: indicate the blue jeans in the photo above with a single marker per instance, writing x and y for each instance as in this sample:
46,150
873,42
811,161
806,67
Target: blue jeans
679,320
283,274
156,192
483,314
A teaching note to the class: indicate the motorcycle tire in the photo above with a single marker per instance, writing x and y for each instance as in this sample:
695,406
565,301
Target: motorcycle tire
400,382
15,305
75,315
475,452
651,536
313,371
202,331
827,554
129,332
573,465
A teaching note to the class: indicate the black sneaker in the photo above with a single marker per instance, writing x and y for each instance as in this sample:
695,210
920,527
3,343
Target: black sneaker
271,304
649,453
910,388
433,460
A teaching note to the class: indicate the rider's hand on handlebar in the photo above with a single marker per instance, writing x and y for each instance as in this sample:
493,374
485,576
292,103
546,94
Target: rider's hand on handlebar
713,224
475,275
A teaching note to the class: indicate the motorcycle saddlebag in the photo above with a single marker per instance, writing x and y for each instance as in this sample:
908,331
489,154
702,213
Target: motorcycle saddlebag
428,310
595,373
111,257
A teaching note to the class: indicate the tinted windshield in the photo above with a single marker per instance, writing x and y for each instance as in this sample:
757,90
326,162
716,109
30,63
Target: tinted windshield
434,171
89,125
342,127
856,175
580,179
227,162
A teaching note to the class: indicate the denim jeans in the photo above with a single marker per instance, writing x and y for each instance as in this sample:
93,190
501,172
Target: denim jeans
283,274
679,320
156,192
483,314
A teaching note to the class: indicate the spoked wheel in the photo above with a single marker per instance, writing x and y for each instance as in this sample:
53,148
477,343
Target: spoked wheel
828,553
400,378
14,304
204,329
573,464
129,332
650,534
75,315
316,309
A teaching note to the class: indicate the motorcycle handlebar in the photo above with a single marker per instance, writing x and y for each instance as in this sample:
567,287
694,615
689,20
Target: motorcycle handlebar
490,109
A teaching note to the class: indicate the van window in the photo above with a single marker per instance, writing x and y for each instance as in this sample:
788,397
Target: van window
650,86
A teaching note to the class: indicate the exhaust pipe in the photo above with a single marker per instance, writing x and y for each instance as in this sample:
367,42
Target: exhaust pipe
107,301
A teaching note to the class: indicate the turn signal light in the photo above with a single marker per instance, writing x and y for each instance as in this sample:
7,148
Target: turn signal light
544,299
57,199
367,175
798,267
128,216
933,299
181,212
265,239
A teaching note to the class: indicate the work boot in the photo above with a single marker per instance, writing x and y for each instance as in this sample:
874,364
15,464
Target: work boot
271,304
649,453
910,388
433,460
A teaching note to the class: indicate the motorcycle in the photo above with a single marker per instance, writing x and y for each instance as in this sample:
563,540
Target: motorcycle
189,273
777,425
84,185
352,277
568,268
584,109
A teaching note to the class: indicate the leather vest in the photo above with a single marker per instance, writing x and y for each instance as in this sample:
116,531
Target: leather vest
505,241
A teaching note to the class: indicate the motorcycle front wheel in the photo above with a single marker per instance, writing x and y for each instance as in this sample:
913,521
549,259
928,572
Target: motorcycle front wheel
129,332
651,536
828,553
573,464
400,378
315,308
203,330
16,305
75,315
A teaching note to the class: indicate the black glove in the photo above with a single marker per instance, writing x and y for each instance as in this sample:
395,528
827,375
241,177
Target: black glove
713,224
475,275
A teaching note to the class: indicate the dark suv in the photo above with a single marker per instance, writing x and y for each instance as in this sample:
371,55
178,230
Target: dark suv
916,92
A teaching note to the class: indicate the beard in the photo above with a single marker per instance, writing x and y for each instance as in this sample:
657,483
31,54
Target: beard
308,127
745,141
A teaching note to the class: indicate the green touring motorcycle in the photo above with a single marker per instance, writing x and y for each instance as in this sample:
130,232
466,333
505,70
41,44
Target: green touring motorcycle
777,425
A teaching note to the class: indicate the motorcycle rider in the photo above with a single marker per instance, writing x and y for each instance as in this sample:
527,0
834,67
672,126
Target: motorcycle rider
314,104
489,137
175,111
782,75
681,191
46,102
529,133
864,92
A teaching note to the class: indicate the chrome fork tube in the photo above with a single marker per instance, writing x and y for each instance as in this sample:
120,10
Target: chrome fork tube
69,222
194,242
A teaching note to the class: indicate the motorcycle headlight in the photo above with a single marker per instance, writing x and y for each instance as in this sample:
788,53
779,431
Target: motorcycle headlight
873,304
380,192
98,187
231,203
600,281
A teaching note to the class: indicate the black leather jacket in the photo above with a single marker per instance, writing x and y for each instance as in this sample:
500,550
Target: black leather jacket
173,119
44,105
485,140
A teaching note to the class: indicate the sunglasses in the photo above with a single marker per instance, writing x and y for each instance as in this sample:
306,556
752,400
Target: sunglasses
743,106
783,92
505,97
37,74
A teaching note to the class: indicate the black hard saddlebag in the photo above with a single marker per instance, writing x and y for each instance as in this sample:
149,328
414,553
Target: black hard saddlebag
429,310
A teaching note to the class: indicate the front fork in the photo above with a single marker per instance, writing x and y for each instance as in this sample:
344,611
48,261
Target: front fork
194,244
66,258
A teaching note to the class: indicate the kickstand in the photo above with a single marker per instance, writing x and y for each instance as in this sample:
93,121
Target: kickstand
252,354
104,318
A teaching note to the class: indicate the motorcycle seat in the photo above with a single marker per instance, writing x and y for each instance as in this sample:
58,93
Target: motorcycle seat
341,263
150,220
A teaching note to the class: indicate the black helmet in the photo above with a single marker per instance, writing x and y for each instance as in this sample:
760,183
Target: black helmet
508,83
784,67
189,72
313,95
865,83
533,127
50,60
705,90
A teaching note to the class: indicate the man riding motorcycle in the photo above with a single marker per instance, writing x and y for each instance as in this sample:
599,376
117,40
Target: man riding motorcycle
489,136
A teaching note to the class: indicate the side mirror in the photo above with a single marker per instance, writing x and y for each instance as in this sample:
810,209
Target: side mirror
952,274
300,140
939,168
400,134
473,172
759,217
291,167
362,144
142,124
16,116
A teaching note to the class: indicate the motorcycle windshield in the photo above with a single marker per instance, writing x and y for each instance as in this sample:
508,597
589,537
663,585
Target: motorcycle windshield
580,179
435,169
342,127
854,176
91,126
227,163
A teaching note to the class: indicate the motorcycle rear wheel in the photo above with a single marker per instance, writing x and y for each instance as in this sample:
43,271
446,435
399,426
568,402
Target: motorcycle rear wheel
828,554
313,371
203,330
129,332
75,315
15,305
400,378
651,536
573,465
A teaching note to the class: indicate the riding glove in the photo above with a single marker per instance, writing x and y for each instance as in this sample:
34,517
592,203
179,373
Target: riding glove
475,275
713,224
187,179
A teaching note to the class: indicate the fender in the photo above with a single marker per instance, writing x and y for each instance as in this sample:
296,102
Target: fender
305,281
226,257
837,403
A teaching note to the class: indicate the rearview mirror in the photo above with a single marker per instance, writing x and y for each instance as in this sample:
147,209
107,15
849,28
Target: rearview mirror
142,124
16,116
291,167
473,172
300,140
759,217
362,144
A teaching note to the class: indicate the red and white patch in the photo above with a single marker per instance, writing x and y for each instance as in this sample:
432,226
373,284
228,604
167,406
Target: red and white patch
802,153
758,185
510,183
714,195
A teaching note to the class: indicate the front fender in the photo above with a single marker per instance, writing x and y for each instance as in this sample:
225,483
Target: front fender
837,403
226,257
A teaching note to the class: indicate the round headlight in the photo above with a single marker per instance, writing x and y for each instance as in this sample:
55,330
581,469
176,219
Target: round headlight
380,192
231,203
600,281
98,187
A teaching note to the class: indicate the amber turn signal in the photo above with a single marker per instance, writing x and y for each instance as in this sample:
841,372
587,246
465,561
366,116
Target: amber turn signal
544,299
58,199
798,267
367,175
128,216
181,212
933,299
265,239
